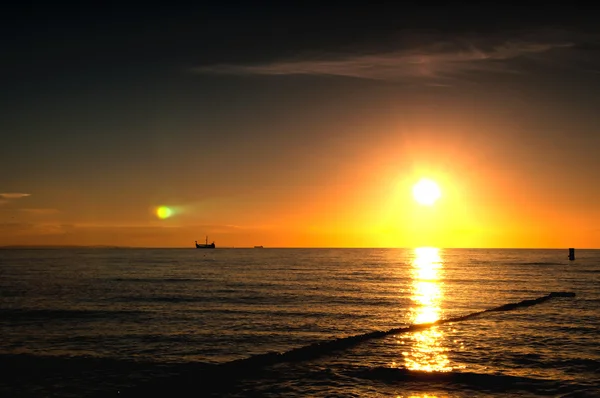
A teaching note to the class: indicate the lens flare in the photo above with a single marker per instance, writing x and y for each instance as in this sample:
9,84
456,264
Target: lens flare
163,212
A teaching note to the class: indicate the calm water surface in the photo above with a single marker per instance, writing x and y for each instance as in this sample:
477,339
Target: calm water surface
80,322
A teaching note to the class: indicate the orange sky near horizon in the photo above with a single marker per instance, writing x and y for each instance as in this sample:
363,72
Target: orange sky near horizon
310,137
367,202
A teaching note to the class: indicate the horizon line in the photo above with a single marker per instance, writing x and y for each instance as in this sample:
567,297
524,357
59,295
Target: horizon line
279,247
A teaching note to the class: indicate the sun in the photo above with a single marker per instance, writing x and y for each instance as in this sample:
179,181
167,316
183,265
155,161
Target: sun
426,192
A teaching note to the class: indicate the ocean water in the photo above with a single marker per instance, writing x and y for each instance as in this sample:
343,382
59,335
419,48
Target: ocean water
299,323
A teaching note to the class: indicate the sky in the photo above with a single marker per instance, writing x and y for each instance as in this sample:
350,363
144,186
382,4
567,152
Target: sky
299,126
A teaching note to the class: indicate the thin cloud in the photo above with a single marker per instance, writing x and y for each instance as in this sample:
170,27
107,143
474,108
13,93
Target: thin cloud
27,228
243,227
14,195
15,228
439,59
39,211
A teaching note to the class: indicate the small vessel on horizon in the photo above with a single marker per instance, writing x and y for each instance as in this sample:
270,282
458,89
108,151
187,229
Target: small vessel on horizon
258,247
206,245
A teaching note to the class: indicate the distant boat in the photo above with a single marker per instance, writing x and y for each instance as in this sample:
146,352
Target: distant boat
258,247
206,245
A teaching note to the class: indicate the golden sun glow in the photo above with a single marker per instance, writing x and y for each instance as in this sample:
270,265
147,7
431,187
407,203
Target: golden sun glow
426,192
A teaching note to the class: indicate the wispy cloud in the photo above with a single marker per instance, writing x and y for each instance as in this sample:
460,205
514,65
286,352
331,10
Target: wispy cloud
435,59
39,211
13,195
8,196
231,226
32,229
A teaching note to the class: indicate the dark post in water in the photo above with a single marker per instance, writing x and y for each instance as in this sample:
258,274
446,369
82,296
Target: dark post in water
571,254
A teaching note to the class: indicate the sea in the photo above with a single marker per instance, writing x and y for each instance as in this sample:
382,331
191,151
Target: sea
270,322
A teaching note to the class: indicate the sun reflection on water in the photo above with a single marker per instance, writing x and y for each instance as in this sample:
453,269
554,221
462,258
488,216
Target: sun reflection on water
418,396
427,353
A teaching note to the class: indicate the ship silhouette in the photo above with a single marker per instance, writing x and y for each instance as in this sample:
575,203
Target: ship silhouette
206,245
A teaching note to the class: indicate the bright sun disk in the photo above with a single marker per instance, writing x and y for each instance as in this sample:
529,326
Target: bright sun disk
426,192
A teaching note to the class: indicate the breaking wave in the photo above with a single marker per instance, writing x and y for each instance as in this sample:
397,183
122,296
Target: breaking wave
254,363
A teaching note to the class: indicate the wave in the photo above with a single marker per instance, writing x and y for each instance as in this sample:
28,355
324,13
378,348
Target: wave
104,377
313,351
36,314
319,349
508,307
154,280
469,380
247,299
179,377
404,374
160,299
581,364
